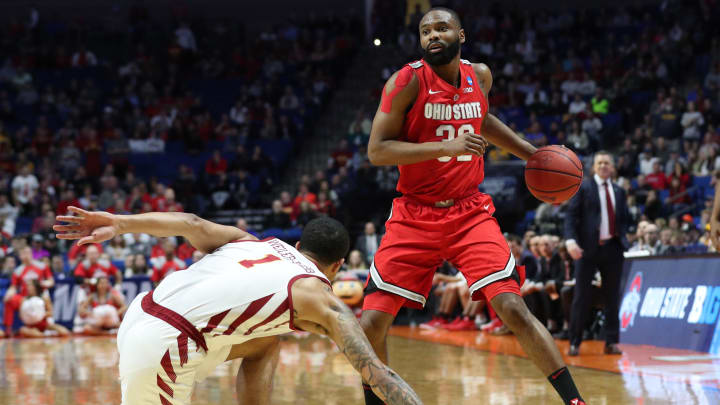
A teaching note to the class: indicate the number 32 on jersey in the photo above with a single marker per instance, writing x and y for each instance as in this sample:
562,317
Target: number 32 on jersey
448,131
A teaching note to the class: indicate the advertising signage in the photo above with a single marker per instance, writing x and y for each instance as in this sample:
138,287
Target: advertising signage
672,302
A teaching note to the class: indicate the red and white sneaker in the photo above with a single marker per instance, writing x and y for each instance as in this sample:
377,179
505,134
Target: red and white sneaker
577,401
434,323
455,321
491,325
464,323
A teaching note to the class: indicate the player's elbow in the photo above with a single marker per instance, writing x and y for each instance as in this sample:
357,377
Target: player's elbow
376,155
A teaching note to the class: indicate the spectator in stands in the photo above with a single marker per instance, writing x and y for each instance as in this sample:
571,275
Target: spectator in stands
216,164
304,194
186,38
341,156
356,261
692,121
578,106
368,242
578,139
8,217
35,310
38,250
650,242
31,269
667,119
657,179
184,250
359,130
25,187
136,265
83,58
58,268
102,310
277,218
116,249
197,255
532,290
306,214
8,267
561,284
324,206
447,281
600,105
92,263
170,264
592,126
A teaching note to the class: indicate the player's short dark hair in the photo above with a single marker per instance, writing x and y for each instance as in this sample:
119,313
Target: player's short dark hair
452,13
326,240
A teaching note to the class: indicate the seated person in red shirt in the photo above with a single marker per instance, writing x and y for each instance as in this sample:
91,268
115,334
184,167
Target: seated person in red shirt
31,269
92,263
77,253
169,263
657,179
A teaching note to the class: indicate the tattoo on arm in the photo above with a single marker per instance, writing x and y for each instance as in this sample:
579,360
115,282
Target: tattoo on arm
353,343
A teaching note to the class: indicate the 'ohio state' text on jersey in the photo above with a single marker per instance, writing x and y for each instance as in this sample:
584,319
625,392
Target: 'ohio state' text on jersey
440,113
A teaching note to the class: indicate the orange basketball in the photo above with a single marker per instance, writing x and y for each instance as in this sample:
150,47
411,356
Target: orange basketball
553,174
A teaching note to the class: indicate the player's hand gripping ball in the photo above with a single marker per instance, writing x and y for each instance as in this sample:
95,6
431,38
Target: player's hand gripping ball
553,174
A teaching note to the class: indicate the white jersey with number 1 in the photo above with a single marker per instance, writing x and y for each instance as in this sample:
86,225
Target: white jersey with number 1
239,292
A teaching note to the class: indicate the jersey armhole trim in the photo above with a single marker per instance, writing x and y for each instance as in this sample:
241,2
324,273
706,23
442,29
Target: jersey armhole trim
252,240
289,296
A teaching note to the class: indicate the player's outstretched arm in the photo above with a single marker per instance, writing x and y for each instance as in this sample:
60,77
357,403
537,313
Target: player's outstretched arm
715,217
385,148
316,309
495,130
98,226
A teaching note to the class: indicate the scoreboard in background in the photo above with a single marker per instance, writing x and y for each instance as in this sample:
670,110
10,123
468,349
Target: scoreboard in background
672,302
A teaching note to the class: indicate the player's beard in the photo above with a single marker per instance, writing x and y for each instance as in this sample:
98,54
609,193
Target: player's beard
443,57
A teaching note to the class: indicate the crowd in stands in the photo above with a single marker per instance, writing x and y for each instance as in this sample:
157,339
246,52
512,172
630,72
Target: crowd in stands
192,115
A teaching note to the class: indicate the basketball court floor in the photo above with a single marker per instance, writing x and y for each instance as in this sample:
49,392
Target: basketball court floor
455,368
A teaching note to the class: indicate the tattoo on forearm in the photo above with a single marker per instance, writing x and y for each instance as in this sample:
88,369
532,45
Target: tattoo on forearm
393,389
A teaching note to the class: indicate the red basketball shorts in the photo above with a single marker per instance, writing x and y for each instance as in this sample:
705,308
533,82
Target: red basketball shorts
420,237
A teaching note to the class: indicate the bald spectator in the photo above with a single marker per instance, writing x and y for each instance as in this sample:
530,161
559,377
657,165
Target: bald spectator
93,263
650,240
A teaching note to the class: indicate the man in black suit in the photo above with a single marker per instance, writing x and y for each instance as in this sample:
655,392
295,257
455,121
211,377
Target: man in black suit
367,243
595,228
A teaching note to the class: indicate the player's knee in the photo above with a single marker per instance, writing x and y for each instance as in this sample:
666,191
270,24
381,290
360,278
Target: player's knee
512,310
375,326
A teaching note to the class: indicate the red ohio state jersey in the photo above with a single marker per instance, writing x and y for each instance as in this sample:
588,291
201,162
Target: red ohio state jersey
440,113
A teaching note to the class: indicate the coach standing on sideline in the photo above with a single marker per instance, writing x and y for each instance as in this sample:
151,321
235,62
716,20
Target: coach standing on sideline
595,228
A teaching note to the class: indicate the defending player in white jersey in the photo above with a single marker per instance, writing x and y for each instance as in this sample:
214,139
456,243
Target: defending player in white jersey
231,304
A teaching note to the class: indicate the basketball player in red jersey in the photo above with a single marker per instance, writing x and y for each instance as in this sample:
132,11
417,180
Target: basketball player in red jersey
429,123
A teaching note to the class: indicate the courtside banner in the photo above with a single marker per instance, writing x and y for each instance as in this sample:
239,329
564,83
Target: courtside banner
672,302
66,294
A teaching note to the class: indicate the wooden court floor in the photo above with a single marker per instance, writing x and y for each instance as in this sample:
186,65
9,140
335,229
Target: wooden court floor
444,367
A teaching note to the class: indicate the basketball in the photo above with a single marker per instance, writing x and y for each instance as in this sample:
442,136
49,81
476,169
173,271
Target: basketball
553,174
